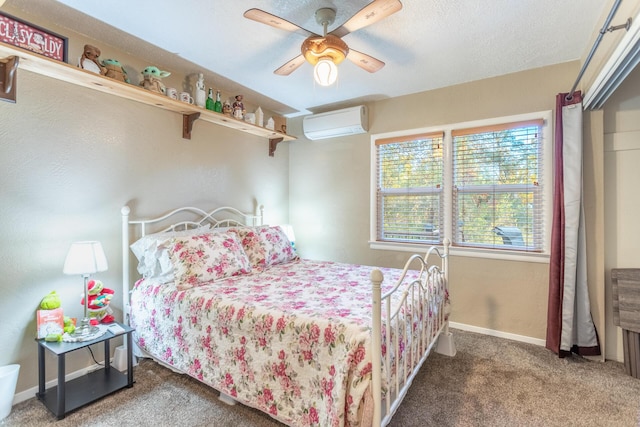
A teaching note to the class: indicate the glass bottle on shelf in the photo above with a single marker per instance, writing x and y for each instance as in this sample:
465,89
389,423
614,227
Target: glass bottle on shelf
217,106
210,102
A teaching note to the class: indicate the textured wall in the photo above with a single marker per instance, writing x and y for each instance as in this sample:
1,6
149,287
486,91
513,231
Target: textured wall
329,195
71,158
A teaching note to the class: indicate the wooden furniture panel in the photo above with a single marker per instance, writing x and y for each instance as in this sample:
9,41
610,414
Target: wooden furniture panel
626,314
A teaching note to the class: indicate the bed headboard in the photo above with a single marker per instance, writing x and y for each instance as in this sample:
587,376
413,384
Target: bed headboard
178,219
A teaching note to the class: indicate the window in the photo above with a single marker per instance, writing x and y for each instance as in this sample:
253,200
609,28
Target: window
480,184
410,181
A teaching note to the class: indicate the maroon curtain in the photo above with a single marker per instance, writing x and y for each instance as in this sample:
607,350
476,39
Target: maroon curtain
557,259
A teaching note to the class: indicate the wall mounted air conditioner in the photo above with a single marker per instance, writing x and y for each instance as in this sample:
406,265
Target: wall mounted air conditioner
349,121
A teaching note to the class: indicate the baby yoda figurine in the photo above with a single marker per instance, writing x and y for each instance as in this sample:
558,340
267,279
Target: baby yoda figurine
151,79
115,70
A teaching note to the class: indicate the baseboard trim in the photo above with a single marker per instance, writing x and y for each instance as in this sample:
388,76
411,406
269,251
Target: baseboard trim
31,392
499,334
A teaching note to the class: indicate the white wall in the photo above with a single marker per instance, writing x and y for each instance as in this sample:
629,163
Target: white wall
622,198
71,158
329,196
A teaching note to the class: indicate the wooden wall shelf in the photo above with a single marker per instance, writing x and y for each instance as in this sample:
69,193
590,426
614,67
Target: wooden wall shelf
74,75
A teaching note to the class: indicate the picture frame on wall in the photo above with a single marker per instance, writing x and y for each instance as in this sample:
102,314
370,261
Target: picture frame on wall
16,32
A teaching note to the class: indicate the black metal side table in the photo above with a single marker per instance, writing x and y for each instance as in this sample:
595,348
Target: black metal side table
69,396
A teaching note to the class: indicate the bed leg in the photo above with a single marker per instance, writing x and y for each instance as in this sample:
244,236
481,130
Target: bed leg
446,345
225,398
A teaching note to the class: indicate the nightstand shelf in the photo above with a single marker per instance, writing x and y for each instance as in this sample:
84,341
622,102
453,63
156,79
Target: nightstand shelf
69,396
84,390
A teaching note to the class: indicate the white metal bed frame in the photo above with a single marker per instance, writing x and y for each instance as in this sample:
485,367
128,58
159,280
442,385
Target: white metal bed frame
425,296
199,217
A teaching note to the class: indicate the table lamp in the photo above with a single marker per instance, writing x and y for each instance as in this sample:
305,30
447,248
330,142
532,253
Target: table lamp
85,259
288,230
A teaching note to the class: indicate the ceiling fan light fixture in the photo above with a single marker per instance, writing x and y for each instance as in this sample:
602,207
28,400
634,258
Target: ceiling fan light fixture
325,72
317,47
330,44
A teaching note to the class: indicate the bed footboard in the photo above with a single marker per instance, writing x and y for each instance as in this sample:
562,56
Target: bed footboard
416,323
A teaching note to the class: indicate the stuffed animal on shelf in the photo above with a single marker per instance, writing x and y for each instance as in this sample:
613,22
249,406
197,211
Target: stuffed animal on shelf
89,60
115,70
152,79
98,302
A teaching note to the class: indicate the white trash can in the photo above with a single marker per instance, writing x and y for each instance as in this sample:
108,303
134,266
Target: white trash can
8,381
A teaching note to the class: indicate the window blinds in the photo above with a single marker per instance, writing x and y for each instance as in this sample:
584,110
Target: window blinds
409,188
497,188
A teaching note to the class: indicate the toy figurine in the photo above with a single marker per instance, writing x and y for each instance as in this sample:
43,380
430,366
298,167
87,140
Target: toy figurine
226,109
115,70
98,302
151,79
89,60
238,107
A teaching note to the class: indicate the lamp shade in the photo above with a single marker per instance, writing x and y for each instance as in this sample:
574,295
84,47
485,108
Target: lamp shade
288,230
85,258
325,72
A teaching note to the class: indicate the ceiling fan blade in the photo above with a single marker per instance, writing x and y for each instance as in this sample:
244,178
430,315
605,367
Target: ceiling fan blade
276,22
290,66
364,61
370,14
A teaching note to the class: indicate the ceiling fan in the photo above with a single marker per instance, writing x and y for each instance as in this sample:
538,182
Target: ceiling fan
326,51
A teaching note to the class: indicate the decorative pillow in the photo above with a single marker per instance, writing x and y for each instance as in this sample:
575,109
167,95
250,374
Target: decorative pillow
206,257
153,258
266,246
278,246
252,245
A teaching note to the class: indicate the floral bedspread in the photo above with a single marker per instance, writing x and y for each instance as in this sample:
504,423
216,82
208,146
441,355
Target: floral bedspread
293,341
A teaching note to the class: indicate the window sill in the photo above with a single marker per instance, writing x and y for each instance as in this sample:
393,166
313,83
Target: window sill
465,252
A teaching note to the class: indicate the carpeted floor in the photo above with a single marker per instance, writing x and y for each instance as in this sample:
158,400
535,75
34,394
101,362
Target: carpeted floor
490,382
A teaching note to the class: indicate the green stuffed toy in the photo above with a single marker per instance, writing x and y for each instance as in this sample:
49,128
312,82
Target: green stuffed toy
53,337
51,301
115,70
151,79
69,325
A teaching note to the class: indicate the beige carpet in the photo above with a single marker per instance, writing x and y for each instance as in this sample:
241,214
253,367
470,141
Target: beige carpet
490,382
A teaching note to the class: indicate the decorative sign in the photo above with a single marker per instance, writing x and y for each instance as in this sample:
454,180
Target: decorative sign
33,38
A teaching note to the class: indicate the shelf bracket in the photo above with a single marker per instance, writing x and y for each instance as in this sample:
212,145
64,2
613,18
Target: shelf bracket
187,124
273,143
8,68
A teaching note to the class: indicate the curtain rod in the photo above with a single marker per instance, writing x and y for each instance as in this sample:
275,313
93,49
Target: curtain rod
604,29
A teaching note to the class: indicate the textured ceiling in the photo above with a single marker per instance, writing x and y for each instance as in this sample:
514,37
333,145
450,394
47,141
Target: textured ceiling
427,45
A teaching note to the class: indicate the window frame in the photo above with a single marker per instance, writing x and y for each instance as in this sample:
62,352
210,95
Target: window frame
506,254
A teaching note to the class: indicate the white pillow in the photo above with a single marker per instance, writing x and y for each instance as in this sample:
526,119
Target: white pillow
153,259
